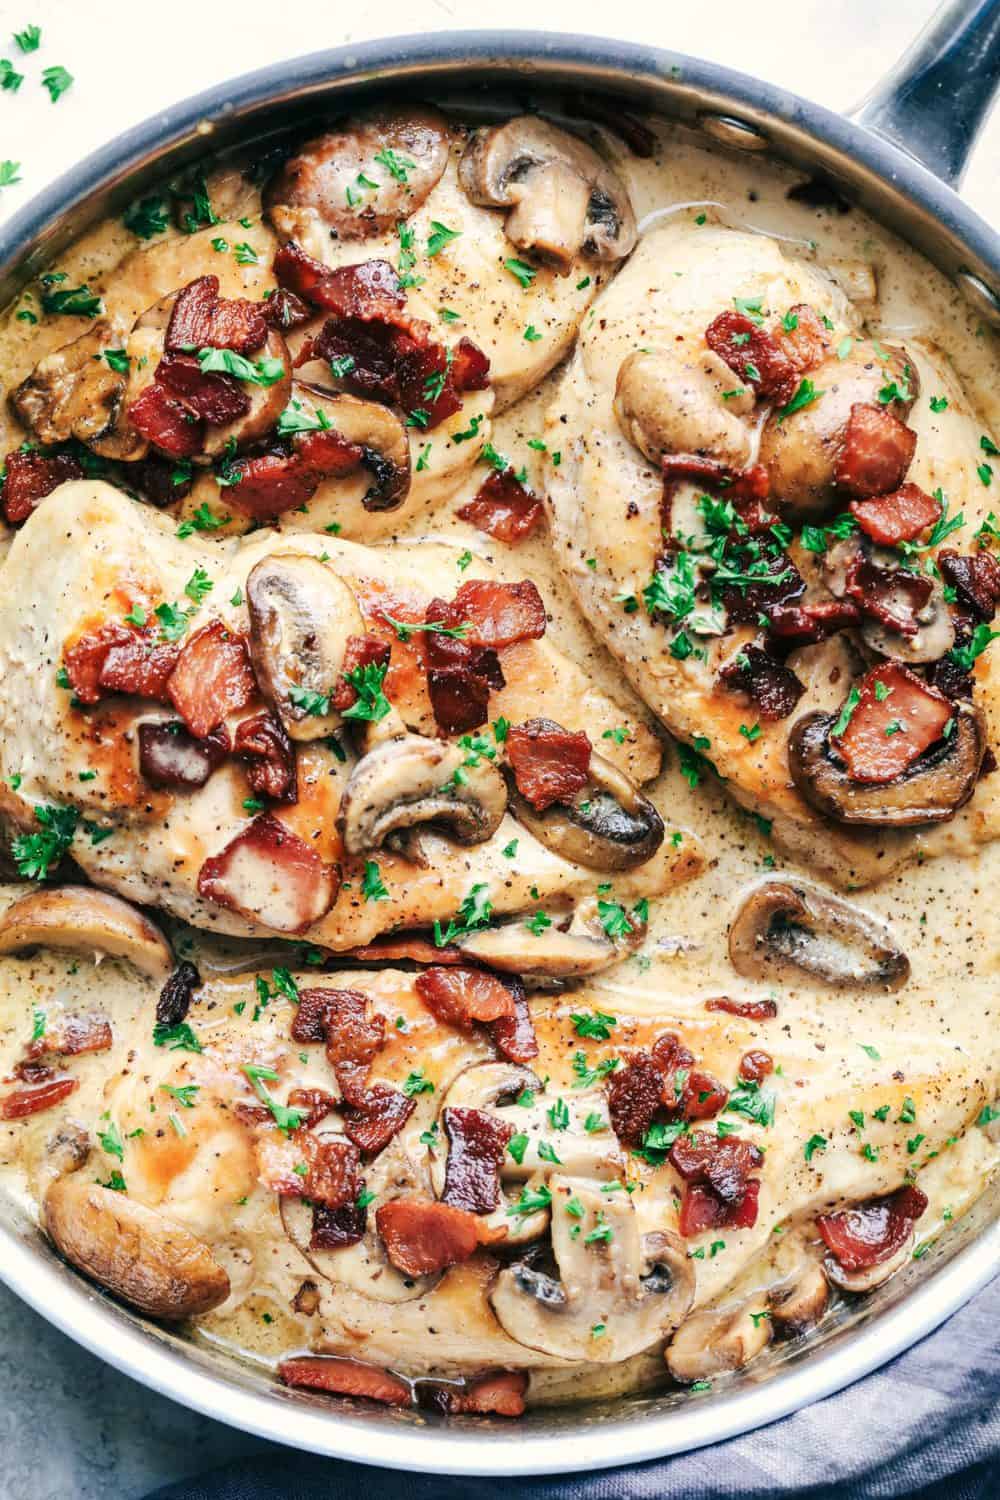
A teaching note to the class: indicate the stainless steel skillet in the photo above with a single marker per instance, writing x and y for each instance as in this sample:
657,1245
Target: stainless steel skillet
899,158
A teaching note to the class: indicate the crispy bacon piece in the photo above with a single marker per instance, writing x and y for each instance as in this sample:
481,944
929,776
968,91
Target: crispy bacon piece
166,423
360,651
750,1010
276,482
396,360
873,1232
477,1142
370,289
85,659
976,581
514,1036
342,1019
756,1065
422,1237
459,675
892,596
501,614
503,508
792,625
333,1177
550,764
702,1096
660,1082
29,477
754,355
702,1209
200,319
778,583
269,757
898,517
120,658
404,949
213,677
772,687
949,678
876,452
382,1114
500,1394
31,1098
268,874
170,757
159,481
344,1377
317,1104
460,997
921,712
720,1193
175,997
635,1097
335,1228
71,1035
284,311
805,344
214,397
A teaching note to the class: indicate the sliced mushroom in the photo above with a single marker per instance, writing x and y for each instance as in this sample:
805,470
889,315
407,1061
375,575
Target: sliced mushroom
935,633
931,791
267,402
301,615
75,393
782,928
609,825
136,1252
84,920
667,404
378,429
570,950
867,1280
562,196
633,1289
361,179
799,1304
710,1342
410,781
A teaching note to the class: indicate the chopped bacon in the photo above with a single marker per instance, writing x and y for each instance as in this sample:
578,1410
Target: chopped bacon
976,581
200,319
503,508
74,1034
500,1394
333,1177
214,397
406,949
395,359
85,659
370,289
892,596
806,344
373,1123
360,651
876,452
660,1082
720,1193
213,677
703,1209
316,1103
269,875
170,757
948,677
34,1097
792,625
898,517
756,1065
550,764
284,311
422,1237
120,658
754,355
175,997
477,1142
344,1377
335,1228
747,489
29,477
514,1036
777,582
273,483
872,755
635,1097
159,481
166,422
501,614
873,1232
772,687
341,1019
751,1010
269,757
702,1096
460,997
459,675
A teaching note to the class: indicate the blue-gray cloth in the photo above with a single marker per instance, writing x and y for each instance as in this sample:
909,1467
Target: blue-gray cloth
925,1427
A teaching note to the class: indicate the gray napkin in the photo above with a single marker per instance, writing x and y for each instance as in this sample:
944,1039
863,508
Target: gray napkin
926,1427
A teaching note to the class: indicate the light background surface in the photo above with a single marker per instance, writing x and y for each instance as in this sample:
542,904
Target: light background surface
70,1427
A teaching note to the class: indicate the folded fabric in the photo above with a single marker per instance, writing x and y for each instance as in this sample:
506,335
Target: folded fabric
925,1427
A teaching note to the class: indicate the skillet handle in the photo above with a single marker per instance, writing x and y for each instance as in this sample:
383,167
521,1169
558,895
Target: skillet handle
934,101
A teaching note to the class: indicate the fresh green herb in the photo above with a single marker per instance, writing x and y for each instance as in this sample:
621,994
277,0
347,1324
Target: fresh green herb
988,1114
538,923
246,255
372,704
397,166
285,985
416,1083
372,885
184,1094
516,1146
286,1119
423,460
173,621
34,853
753,1103
939,403
201,520
10,78
872,1052
179,1038
531,1201
265,372
37,1023
805,395
869,1152
440,236
405,628
522,272
448,316
602,1233
558,1115
146,217
913,1146
985,474
586,1075
115,1182
966,655
199,586
74,301
813,1144
594,1024
117,360
57,81
846,713
750,307
28,39
751,732
531,334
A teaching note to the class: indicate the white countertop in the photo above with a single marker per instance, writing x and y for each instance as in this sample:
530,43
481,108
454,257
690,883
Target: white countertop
70,1427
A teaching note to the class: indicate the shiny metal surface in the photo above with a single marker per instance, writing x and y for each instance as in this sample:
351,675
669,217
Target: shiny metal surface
475,70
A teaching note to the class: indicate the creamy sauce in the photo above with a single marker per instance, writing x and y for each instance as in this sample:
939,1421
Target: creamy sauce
933,1042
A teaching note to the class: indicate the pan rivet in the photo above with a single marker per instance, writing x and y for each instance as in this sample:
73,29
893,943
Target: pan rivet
983,299
729,131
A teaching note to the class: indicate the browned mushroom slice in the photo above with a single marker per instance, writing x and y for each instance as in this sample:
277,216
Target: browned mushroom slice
362,179
412,781
301,618
84,920
799,1303
76,392
379,430
609,824
135,1252
667,404
710,1342
931,791
563,198
782,928
544,959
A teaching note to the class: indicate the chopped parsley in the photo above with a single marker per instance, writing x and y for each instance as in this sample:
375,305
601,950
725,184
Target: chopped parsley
593,1024
74,301
521,271
57,81
35,853
813,1144
803,397
416,1083
263,372
179,1038
372,885
440,236
372,704
475,910
286,1119
146,217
